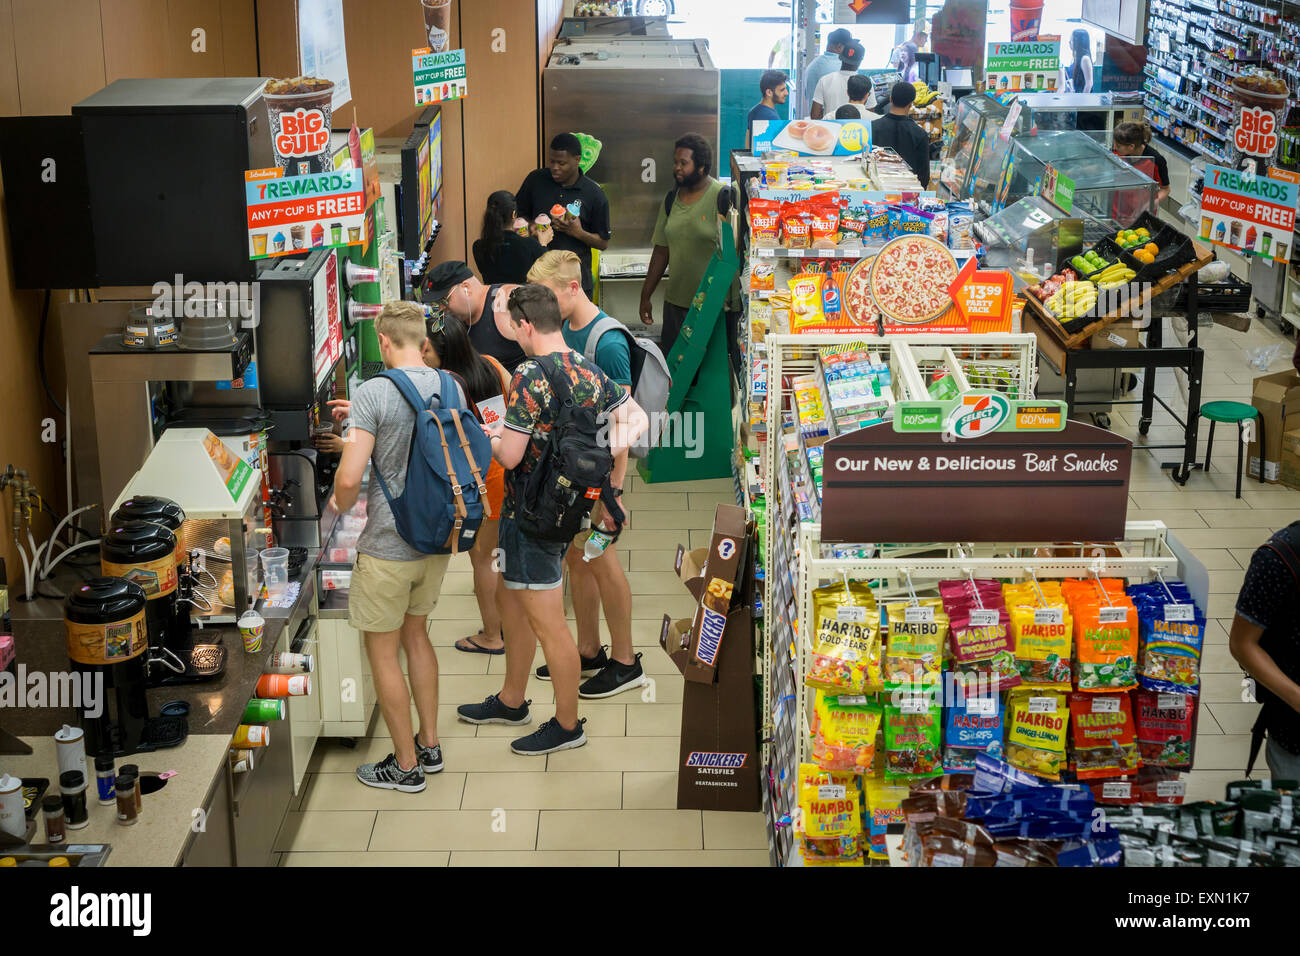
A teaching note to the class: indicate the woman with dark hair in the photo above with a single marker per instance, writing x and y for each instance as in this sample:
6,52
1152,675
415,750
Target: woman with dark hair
1077,77
501,254
448,346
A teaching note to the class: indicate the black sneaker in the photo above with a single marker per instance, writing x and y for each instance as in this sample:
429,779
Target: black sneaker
591,666
430,757
549,738
387,775
492,711
614,678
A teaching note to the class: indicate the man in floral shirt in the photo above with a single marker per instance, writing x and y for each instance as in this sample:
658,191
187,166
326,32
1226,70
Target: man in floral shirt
533,569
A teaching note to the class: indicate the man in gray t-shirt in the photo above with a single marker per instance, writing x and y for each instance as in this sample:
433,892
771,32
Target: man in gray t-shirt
394,587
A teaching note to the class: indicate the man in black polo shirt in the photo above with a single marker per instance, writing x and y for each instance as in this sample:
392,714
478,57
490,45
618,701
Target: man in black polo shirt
562,183
898,131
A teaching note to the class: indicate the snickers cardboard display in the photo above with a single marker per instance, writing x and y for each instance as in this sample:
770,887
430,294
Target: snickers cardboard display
714,650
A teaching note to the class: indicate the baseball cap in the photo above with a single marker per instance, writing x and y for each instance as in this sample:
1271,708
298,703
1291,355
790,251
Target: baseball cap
851,55
445,276
839,36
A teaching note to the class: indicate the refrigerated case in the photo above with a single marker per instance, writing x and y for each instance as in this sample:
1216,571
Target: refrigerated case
1109,194
1099,114
1031,235
976,147
636,95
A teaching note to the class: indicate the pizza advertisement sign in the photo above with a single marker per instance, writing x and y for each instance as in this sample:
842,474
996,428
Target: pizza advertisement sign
916,286
982,298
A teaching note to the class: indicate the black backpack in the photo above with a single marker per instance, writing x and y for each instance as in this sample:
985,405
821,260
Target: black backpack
573,473
1275,716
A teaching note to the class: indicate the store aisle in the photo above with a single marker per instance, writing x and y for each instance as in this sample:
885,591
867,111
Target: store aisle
609,803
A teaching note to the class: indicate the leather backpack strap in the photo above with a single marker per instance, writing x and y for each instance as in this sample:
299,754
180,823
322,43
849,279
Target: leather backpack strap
461,510
473,466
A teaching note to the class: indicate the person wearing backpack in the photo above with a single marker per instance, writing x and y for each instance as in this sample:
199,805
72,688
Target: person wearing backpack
600,581
558,466
1265,641
395,584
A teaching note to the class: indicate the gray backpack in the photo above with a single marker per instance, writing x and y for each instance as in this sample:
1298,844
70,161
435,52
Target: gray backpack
650,379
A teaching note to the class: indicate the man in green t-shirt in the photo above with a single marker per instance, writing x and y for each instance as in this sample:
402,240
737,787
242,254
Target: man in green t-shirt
686,238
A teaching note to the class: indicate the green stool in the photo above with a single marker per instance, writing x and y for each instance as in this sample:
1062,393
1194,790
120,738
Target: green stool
1240,413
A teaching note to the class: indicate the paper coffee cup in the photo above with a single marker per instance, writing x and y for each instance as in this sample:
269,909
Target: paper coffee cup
251,626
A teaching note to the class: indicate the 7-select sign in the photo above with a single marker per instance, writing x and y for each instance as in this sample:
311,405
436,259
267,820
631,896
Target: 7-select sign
438,76
976,414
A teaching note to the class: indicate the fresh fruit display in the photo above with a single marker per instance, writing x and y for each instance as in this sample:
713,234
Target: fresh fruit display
1088,263
1072,300
1049,287
1113,277
1131,239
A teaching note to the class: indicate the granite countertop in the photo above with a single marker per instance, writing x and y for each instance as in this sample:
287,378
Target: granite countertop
160,835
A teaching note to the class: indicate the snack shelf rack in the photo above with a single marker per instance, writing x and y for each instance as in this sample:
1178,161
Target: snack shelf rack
806,565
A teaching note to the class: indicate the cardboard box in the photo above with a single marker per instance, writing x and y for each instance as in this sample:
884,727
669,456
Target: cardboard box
1277,397
1289,472
1120,335
710,575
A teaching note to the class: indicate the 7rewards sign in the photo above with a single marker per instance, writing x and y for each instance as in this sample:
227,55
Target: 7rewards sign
976,414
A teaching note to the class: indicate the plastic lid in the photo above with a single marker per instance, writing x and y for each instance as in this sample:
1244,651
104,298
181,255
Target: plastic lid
103,763
59,861
150,508
103,600
51,801
132,541
71,780
129,769
124,782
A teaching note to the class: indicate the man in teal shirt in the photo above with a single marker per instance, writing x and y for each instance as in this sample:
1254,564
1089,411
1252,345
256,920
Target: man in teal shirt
828,62
600,582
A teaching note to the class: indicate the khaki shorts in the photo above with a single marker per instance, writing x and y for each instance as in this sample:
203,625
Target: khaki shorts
383,592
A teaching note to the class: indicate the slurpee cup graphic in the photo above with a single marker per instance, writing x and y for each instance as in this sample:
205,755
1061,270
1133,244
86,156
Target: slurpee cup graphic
1026,16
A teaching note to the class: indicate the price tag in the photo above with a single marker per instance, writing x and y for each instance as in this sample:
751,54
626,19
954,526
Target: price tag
1112,615
1049,615
849,700
1105,705
831,791
1042,705
984,617
1171,701
851,615
766,252
1171,788
982,706
919,615
913,705
1180,612
1117,790
797,253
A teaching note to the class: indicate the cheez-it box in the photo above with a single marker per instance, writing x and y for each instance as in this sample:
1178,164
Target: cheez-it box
710,575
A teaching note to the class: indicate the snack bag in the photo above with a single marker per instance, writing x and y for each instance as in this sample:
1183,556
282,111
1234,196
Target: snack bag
829,802
853,227
1105,644
1166,728
877,219
913,735
908,221
806,302
884,809
915,639
824,227
764,222
1042,645
1036,734
973,725
1172,633
835,851
845,736
762,276
983,649
796,226
1103,736
961,226
846,643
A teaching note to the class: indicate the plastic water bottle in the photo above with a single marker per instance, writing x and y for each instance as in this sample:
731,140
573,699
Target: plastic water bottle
596,544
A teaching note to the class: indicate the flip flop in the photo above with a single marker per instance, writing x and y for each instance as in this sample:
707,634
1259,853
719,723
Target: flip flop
477,648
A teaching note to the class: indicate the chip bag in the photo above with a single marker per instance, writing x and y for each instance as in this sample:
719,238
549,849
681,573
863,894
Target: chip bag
1166,728
1036,732
884,809
1042,641
846,643
1105,643
913,737
796,226
807,306
764,222
829,802
971,726
1171,636
914,643
1103,735
824,227
845,735
908,221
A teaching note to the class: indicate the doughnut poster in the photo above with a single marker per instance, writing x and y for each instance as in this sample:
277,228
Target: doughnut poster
813,137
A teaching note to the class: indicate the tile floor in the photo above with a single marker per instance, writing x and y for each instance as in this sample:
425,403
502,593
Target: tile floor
612,802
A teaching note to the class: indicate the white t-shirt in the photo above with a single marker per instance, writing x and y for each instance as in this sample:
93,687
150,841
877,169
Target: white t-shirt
863,112
833,91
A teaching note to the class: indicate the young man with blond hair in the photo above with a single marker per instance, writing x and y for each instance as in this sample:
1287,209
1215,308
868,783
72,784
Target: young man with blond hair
394,587
602,580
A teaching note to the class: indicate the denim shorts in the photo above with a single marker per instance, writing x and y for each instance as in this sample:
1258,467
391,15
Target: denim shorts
527,563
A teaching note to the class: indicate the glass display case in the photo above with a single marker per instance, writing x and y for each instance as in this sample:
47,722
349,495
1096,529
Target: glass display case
1030,236
1108,193
1093,113
975,137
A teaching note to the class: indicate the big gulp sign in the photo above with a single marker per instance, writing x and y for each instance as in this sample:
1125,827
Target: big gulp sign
1256,133
302,133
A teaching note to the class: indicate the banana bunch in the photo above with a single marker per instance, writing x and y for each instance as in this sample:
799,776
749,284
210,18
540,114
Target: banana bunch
1072,300
923,93
1113,277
